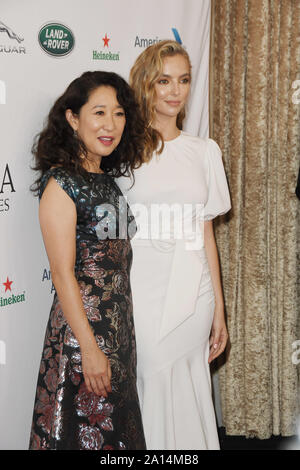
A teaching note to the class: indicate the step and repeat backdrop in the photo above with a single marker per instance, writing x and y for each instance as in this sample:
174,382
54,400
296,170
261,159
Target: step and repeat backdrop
43,47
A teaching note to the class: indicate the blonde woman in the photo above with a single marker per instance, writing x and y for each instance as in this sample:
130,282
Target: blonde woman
177,293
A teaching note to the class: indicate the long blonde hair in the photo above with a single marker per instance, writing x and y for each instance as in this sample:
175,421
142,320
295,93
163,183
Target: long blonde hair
143,75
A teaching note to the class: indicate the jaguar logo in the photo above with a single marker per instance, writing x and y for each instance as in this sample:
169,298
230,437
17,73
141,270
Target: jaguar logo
10,32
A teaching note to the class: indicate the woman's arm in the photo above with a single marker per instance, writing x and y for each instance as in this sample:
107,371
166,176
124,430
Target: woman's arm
57,215
219,335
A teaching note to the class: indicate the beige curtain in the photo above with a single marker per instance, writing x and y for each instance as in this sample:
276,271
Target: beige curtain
255,58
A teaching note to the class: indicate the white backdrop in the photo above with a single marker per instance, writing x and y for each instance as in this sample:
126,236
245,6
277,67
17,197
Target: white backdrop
30,81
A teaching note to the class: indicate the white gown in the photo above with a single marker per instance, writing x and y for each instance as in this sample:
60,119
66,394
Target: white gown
173,299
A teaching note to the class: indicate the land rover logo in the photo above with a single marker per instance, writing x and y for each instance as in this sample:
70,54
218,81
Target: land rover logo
56,39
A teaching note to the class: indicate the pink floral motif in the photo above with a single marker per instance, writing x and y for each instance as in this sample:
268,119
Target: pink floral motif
106,294
115,251
92,313
100,341
114,316
92,269
43,399
58,319
53,362
103,421
44,445
42,367
94,408
35,441
120,282
85,289
90,302
50,379
100,283
90,438
85,252
48,353
98,256
105,408
70,339
75,377
85,401
102,416
105,345
63,361
90,266
76,358
44,407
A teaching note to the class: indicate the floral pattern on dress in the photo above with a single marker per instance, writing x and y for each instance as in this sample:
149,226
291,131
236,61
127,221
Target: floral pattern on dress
66,415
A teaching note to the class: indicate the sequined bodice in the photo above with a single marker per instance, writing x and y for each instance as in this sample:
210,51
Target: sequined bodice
102,211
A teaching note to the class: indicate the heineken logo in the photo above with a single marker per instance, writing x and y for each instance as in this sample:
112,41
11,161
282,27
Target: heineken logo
56,39
105,54
10,298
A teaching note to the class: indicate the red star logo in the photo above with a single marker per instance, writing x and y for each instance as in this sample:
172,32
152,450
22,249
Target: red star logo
7,284
105,40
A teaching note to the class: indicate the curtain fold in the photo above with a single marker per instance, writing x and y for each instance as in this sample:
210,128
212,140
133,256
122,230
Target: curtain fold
255,58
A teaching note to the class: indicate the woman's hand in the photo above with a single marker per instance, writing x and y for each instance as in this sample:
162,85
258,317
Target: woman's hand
218,336
96,371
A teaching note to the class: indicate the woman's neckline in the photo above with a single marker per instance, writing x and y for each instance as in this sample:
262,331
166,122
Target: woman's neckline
173,140
89,172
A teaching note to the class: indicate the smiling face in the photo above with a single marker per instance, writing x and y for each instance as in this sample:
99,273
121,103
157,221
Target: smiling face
100,122
172,87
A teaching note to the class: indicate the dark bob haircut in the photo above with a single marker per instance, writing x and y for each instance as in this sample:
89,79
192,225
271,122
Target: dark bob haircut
57,145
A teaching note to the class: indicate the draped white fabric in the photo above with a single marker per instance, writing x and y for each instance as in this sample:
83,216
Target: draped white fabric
173,298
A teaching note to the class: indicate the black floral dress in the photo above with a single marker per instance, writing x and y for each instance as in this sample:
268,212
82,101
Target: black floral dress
66,415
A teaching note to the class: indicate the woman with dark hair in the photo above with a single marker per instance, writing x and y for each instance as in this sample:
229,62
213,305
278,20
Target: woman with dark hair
86,394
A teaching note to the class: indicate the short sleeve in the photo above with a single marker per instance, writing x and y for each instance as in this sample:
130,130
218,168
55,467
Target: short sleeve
66,181
218,201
